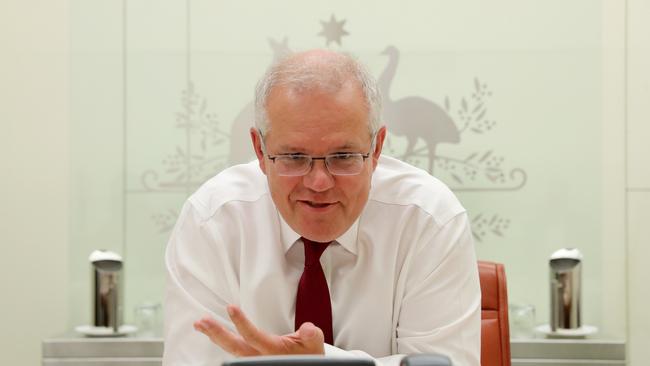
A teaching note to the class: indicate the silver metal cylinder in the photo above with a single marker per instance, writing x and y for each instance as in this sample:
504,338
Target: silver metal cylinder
107,289
565,283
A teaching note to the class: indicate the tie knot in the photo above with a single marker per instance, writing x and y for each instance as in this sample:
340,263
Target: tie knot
313,251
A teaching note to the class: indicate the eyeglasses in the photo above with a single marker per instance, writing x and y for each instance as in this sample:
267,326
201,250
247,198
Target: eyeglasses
296,165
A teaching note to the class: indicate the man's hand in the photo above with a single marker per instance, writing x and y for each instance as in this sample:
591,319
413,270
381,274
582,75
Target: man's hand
250,341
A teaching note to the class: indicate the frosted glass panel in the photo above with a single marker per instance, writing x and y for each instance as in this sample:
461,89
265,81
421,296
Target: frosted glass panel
499,100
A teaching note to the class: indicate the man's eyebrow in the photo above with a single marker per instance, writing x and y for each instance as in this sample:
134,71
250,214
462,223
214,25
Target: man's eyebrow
288,149
346,146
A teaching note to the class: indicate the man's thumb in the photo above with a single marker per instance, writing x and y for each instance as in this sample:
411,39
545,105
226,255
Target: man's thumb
309,331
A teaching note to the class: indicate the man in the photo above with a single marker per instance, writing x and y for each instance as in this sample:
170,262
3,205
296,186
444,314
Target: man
321,246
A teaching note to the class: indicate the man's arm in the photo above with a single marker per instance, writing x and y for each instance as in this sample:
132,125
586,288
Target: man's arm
440,309
198,284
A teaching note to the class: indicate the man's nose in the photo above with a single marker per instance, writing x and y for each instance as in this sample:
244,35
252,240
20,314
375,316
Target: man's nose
318,179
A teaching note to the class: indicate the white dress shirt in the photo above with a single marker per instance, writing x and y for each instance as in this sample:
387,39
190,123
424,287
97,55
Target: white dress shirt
403,279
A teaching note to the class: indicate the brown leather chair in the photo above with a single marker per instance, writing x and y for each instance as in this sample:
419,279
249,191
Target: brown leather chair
495,333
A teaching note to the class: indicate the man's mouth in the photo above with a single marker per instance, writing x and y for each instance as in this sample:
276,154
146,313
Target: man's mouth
317,204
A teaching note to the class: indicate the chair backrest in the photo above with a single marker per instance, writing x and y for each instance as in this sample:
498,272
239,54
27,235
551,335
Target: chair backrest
495,333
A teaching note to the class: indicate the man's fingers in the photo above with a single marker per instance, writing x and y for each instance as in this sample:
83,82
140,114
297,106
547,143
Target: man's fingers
218,334
258,339
251,341
224,338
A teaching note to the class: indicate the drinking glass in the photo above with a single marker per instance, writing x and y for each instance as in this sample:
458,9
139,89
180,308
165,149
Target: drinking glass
147,319
522,320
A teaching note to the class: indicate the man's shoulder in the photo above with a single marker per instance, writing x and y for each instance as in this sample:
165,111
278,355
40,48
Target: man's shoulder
398,183
242,183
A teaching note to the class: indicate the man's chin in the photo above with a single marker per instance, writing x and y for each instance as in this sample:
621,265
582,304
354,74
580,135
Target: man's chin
320,235
320,225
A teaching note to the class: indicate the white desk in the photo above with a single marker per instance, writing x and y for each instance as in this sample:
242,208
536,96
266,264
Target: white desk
71,350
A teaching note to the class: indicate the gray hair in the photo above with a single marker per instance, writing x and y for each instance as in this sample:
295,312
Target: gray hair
317,70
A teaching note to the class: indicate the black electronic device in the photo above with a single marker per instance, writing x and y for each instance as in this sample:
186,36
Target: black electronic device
426,360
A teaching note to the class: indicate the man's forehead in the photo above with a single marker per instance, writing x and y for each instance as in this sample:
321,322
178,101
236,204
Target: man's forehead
295,139
343,104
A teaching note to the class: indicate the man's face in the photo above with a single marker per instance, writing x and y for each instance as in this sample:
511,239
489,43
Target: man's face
319,206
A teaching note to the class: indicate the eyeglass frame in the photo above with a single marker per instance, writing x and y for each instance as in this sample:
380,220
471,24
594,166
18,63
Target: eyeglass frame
312,158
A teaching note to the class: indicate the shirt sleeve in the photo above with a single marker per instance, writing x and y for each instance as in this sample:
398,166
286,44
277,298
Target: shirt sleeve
440,310
439,301
199,282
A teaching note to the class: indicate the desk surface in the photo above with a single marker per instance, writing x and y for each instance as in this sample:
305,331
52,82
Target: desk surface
134,351
568,352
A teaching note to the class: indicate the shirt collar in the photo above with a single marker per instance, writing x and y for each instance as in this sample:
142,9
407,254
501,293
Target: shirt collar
348,240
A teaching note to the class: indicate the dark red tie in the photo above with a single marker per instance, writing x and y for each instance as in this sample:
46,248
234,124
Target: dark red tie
313,298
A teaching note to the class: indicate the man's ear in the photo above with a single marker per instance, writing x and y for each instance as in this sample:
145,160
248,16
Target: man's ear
256,139
379,144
